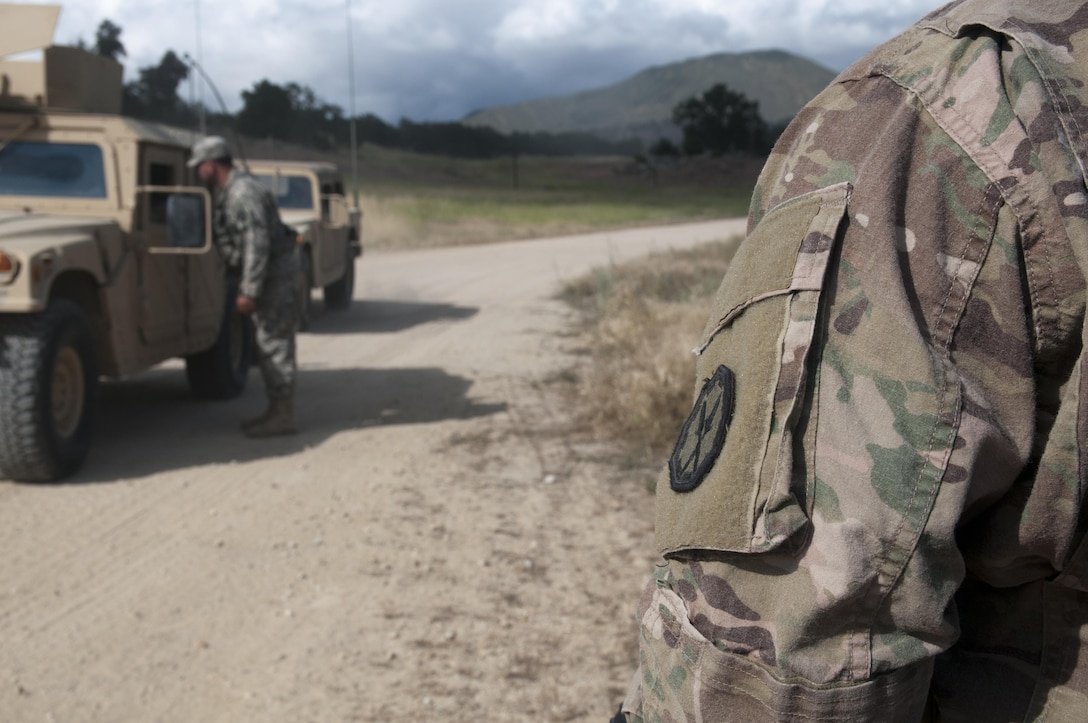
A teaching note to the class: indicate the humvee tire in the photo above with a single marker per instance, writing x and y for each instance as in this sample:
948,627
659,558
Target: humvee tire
49,388
338,294
220,371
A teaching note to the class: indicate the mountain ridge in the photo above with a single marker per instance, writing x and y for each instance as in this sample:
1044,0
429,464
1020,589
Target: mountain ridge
641,105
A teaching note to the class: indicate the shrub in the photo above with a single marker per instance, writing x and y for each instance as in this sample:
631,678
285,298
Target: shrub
640,321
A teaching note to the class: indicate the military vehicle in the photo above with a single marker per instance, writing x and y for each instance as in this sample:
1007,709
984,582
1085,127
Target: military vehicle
107,265
312,202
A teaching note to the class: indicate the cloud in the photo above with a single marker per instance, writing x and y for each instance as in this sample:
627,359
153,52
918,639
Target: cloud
533,22
436,60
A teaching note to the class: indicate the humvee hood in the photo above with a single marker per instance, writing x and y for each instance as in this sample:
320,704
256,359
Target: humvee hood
26,230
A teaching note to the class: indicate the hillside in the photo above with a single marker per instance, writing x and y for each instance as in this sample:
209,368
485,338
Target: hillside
641,106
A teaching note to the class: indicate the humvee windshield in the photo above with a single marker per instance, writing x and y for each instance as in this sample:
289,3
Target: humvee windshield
291,192
62,170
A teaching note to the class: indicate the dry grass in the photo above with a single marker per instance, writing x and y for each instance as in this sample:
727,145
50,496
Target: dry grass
641,320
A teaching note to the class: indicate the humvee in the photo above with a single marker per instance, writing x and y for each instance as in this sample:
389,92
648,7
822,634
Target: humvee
107,265
311,199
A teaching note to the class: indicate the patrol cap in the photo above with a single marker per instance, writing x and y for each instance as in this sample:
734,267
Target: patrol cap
211,148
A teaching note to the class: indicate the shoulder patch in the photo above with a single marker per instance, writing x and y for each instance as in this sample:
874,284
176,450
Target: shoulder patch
703,434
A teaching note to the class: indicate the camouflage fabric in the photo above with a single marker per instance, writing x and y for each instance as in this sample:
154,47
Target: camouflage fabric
250,232
891,529
256,247
276,320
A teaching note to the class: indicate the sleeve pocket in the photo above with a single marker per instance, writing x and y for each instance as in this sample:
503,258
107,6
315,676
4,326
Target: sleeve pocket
686,677
731,483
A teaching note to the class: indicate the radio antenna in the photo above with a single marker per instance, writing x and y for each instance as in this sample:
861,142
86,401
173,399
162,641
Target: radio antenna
351,111
222,106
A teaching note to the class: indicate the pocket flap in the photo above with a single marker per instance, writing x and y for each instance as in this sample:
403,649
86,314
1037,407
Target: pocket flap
729,484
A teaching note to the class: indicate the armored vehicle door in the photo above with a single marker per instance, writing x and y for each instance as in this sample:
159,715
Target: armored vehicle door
163,279
182,294
336,226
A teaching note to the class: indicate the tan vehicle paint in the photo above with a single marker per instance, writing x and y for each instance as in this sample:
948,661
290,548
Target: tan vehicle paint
311,199
106,261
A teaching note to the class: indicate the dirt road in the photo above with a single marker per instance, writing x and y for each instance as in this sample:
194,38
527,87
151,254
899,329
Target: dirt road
432,546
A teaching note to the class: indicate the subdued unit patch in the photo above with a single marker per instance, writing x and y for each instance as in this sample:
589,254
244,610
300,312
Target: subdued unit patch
703,434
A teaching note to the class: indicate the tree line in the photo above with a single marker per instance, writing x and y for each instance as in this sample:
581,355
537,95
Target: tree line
717,122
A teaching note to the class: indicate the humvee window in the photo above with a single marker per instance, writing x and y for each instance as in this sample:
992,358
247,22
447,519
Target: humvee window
59,170
161,175
329,189
290,191
185,220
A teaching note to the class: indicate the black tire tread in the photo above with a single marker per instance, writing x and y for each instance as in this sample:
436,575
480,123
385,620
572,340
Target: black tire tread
338,294
209,372
26,453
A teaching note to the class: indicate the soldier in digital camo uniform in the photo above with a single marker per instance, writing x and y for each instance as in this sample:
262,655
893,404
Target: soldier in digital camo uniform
257,248
876,509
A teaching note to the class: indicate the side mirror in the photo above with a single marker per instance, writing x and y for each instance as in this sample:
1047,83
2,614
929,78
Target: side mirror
175,219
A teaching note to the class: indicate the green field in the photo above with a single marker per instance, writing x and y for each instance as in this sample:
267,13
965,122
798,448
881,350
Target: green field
414,200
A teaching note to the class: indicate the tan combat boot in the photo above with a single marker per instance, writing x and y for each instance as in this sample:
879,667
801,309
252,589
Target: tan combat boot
278,419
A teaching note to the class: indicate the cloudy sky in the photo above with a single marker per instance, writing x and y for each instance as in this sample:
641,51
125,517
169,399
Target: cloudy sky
437,60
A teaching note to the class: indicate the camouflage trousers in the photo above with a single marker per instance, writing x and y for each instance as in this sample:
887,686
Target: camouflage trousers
276,321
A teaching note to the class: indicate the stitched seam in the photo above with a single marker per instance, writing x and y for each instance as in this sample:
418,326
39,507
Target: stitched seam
735,312
829,227
828,196
942,400
717,684
1022,205
1066,118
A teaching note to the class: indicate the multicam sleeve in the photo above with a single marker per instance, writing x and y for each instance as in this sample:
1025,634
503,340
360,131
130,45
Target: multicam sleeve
232,254
865,383
251,228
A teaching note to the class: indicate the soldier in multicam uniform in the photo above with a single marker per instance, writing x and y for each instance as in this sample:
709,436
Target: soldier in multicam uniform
259,250
875,511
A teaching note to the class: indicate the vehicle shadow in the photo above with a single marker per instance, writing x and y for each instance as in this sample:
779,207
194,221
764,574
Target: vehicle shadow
381,316
152,424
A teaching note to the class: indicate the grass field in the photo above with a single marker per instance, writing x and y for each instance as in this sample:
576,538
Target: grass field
413,200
